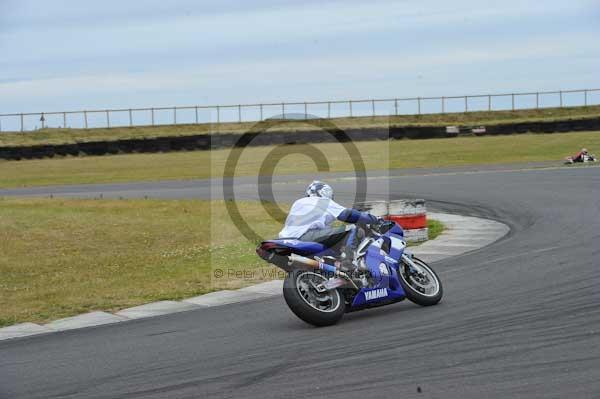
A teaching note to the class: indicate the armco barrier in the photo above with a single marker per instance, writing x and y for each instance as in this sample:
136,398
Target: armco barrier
410,214
227,140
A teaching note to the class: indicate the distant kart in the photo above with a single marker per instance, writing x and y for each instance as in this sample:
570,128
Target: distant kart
319,293
581,159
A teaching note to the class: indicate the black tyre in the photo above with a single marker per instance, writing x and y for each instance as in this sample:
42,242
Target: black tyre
317,308
424,287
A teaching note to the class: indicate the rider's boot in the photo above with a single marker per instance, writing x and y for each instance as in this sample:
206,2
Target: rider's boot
348,252
346,263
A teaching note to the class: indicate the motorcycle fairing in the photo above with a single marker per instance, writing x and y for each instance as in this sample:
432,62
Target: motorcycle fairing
299,247
385,285
397,245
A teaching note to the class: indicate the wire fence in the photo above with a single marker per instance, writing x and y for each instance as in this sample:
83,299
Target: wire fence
219,114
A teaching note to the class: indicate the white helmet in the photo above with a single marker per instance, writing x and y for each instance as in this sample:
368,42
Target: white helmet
319,189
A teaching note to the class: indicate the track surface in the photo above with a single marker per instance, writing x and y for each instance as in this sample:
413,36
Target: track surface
520,318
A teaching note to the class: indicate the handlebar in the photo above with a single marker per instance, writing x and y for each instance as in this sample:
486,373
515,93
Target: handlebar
383,226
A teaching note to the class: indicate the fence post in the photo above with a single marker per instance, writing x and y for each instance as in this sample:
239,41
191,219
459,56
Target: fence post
561,99
261,112
373,107
396,106
43,120
283,111
329,110
305,111
489,102
85,119
196,111
585,94
513,101
218,115
107,119
174,115
152,111
466,104
419,105
65,120
240,113
130,118
22,125
537,100
443,105
350,107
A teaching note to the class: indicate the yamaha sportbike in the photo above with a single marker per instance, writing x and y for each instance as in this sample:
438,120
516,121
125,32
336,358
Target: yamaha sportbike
582,159
319,292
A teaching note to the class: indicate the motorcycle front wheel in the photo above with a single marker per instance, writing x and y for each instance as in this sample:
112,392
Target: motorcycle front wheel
421,285
305,300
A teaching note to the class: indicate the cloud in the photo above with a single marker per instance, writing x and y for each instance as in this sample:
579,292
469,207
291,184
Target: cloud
300,70
292,24
155,52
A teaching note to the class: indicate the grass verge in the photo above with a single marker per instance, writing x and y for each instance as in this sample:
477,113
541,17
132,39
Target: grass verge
62,257
66,257
62,136
435,228
204,164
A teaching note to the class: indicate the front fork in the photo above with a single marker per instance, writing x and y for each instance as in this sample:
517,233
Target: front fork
412,267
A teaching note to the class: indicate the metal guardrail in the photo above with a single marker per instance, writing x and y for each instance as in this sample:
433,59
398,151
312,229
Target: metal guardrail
218,114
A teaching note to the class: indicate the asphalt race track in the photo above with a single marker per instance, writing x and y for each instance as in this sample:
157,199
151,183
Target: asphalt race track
520,318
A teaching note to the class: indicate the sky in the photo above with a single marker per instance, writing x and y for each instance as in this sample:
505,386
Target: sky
58,55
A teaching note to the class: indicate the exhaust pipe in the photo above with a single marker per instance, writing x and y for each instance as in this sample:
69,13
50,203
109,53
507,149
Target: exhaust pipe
301,262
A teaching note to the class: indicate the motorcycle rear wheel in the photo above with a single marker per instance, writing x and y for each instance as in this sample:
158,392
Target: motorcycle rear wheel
317,308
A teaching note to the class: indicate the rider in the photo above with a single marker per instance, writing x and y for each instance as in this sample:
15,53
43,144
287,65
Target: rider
580,156
311,219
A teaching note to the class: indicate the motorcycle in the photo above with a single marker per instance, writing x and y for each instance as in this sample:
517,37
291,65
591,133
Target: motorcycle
583,159
319,291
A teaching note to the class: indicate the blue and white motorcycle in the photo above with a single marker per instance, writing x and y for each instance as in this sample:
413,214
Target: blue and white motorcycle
319,292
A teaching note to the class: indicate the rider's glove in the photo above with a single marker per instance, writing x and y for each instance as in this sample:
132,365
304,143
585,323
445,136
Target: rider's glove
354,216
379,223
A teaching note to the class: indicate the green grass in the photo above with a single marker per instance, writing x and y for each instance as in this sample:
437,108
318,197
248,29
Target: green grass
62,257
61,136
376,155
435,228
